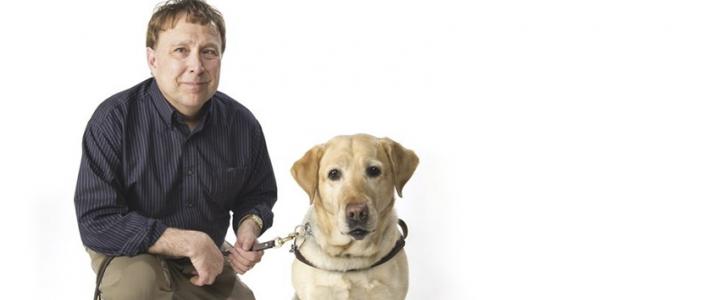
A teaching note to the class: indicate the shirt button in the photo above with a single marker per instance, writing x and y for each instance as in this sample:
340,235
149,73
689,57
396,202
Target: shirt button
189,172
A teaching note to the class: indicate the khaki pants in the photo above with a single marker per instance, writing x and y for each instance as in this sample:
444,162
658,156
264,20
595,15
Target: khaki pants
147,276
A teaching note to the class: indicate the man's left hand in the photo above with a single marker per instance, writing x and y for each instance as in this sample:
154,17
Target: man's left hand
242,258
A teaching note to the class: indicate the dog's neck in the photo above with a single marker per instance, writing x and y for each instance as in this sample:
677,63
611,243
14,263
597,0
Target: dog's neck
355,254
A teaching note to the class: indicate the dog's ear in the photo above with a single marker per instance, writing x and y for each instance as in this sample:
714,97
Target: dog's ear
403,162
305,170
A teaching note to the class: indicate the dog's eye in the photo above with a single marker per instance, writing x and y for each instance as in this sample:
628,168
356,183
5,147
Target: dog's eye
373,171
334,174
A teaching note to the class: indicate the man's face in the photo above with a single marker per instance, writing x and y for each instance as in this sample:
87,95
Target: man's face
186,64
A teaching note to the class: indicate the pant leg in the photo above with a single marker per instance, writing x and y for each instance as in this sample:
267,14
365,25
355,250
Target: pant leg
239,290
226,286
142,276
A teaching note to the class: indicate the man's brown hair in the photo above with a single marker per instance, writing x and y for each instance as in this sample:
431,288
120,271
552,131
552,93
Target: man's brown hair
195,11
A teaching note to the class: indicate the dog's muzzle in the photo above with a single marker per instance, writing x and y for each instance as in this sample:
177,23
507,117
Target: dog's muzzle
356,217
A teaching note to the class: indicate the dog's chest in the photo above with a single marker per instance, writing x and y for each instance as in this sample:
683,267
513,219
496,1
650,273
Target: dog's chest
387,281
351,287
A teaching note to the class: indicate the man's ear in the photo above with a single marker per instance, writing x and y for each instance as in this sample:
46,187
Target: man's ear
305,170
403,162
151,59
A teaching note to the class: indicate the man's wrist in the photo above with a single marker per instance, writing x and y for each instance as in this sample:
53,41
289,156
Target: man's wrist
176,242
255,218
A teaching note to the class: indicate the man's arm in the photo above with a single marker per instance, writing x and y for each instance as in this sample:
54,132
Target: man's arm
176,242
252,214
105,222
107,225
259,194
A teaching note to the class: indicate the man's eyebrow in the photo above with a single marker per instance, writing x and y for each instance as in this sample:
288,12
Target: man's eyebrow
189,42
211,45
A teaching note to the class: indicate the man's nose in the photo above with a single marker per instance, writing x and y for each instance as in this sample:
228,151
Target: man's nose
195,63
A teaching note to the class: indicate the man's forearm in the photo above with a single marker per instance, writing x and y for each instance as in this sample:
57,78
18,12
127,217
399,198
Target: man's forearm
177,242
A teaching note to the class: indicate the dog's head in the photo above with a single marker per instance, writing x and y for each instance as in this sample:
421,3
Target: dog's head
351,182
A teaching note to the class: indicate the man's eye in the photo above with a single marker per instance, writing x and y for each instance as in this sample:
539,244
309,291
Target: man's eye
180,50
210,53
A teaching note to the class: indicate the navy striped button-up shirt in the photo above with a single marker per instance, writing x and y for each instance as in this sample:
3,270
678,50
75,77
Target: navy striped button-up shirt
144,170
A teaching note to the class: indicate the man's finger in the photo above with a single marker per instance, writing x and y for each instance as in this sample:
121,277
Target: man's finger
238,267
203,278
238,257
246,243
239,262
247,248
196,280
253,256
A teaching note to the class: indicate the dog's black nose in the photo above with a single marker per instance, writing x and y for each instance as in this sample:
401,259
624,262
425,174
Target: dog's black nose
356,214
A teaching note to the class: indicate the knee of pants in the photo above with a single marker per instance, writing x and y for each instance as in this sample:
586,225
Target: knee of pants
137,277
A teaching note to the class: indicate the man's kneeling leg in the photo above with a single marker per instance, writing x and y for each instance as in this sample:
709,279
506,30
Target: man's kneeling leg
143,276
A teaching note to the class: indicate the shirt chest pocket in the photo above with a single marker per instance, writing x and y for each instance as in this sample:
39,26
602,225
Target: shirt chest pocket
226,185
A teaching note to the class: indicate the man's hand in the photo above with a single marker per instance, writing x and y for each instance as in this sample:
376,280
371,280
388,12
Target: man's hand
207,260
242,258
196,245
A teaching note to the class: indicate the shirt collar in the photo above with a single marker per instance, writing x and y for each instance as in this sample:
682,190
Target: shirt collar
164,108
204,114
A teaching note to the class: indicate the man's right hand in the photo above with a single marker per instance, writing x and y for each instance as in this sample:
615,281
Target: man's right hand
207,260
195,245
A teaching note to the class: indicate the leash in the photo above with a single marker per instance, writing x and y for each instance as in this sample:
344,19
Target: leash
275,243
399,244
300,231
101,272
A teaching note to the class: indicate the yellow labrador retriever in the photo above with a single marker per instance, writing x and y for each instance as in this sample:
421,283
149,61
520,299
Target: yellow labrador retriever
352,248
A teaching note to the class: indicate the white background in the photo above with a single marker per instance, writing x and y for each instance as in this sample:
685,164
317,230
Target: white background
569,149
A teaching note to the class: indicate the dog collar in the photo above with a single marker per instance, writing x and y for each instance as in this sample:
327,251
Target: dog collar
398,246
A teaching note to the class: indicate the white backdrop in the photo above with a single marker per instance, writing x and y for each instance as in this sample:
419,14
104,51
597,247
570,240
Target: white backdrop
569,149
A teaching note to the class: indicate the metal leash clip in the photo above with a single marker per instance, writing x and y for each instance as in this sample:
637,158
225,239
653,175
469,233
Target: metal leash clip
275,243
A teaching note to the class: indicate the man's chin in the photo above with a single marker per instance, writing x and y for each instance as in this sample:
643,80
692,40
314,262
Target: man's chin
197,96
195,88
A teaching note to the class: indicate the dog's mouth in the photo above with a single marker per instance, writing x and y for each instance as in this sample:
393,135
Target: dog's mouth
358,233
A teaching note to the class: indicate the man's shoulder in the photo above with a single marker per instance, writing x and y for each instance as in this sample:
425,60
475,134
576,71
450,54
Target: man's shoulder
114,108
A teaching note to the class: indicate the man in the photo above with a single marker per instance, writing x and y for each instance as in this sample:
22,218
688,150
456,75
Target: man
163,165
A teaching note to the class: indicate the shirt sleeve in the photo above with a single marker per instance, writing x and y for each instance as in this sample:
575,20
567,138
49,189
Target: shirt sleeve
106,224
259,194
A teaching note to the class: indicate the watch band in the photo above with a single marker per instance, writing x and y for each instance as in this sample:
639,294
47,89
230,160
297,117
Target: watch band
258,221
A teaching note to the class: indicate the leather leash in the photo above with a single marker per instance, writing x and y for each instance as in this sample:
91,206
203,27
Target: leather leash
300,230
